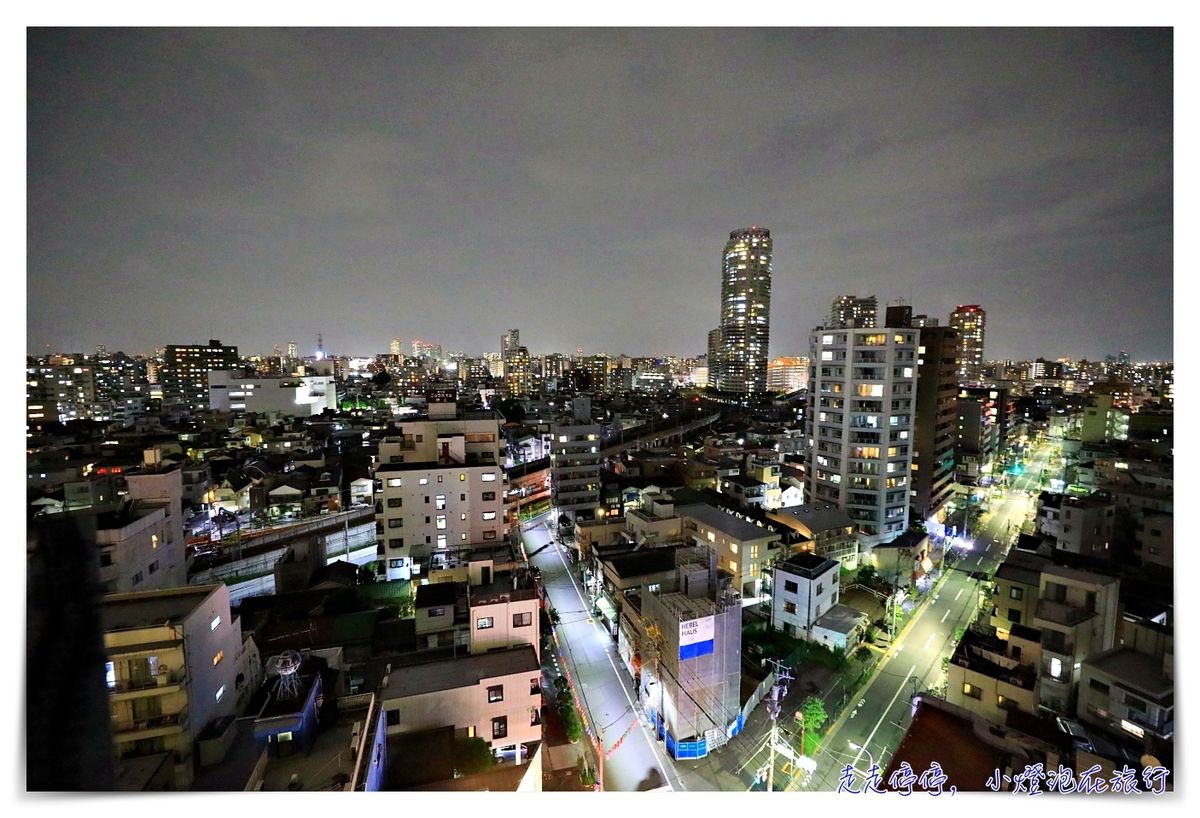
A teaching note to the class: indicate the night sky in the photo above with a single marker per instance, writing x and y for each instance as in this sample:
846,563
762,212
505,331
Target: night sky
263,186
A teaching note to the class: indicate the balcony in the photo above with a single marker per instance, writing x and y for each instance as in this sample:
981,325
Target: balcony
131,730
1061,613
158,685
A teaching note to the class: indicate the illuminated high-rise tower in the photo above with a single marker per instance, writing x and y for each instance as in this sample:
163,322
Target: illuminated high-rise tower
970,321
745,312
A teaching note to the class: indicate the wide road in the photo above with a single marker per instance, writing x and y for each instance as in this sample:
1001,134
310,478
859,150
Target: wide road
878,720
605,687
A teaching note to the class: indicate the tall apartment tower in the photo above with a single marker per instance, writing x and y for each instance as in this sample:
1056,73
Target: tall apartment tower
714,355
936,420
745,312
862,390
970,321
863,312
518,372
184,373
509,341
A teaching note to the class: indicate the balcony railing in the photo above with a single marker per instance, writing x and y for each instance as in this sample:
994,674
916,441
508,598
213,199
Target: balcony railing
1061,613
146,683
121,726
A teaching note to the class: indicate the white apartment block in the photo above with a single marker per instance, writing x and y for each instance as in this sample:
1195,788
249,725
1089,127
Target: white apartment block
136,553
862,396
439,486
741,547
804,587
176,661
302,396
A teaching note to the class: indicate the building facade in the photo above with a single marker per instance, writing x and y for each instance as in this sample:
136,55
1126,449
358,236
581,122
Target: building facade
936,416
854,311
971,323
862,393
184,373
745,312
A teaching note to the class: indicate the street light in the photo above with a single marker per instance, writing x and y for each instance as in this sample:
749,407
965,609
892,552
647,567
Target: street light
854,746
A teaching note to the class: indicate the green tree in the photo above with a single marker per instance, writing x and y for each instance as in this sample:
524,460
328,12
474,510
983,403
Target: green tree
812,710
472,755
867,575
569,717
863,654
381,378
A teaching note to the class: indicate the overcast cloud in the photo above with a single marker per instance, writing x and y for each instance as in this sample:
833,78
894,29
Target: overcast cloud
264,186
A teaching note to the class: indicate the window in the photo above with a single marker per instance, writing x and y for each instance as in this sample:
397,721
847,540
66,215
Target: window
489,535
535,686
487,495
488,477
1014,616
106,558
441,542
1015,652
426,519
153,567
394,482
489,515
439,478
496,694
220,692
522,620
1056,667
462,478
396,542
1007,704
789,607
462,516
395,502
439,501
137,578
462,497
426,499
396,522
500,727
216,623
393,718
1096,684
820,588
437,611
463,536
972,691
110,674
1016,593
790,587
441,521
395,563
424,481
483,623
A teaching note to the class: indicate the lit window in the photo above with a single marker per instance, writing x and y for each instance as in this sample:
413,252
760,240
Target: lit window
424,481
496,694
483,623
462,478
393,482
217,659
216,623
733,566
154,541
489,515
220,692
441,540
733,547
1056,667
440,501
441,521
488,477
712,537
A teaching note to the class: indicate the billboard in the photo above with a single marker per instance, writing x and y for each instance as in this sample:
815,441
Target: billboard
695,638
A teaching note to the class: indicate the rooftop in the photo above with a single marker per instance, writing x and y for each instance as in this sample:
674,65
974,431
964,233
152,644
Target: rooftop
936,734
1134,669
147,609
461,671
439,594
725,522
841,619
814,517
808,565
645,561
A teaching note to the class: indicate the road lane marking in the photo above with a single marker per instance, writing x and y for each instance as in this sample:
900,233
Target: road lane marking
929,641
956,596
947,613
884,715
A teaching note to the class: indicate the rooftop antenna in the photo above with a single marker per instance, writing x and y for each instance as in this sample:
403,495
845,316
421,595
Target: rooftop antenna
287,665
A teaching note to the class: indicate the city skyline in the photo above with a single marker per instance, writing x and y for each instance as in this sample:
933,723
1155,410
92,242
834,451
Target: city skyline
269,185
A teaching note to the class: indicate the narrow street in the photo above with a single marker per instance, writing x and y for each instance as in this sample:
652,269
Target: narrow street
604,686
878,719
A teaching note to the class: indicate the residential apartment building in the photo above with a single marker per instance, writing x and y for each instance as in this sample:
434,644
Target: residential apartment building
502,610
1130,692
439,486
176,661
862,394
575,466
745,329
518,373
971,322
136,551
936,414
494,696
302,396
739,546
787,374
829,529
803,587
184,373
854,311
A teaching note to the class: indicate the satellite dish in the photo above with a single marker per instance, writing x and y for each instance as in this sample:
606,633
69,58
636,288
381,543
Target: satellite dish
287,665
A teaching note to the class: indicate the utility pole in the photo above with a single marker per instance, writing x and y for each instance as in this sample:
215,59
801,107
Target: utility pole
778,691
